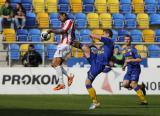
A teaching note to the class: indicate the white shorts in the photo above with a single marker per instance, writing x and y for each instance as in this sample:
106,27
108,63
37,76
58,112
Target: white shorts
62,50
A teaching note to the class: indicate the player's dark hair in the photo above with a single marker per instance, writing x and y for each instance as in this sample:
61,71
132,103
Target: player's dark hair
64,14
31,45
128,36
109,31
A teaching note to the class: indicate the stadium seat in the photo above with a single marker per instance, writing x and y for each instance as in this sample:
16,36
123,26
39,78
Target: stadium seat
30,20
13,3
77,53
97,32
105,20
143,21
113,6
88,6
157,35
158,6
63,6
55,23
84,36
118,21
27,4
71,16
76,6
22,34
154,19
148,35
34,35
50,50
14,51
43,20
130,21
125,6
153,51
121,34
57,38
101,6
80,20
77,35
51,6
142,50
38,5
115,35
136,35
150,6
138,6
9,35
23,49
93,20
2,2
39,48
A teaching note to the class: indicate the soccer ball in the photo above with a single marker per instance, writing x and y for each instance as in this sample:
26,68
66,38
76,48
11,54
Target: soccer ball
45,36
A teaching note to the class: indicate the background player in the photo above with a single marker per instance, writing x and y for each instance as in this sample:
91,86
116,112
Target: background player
63,49
132,61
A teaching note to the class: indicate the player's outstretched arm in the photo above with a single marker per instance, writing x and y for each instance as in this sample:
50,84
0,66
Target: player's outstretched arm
94,36
56,31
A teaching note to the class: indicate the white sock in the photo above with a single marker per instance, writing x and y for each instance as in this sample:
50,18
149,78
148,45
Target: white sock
59,74
65,72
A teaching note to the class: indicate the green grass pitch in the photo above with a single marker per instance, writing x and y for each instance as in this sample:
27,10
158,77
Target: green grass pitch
76,105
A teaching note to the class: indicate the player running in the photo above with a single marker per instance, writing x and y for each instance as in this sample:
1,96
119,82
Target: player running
132,62
63,49
99,62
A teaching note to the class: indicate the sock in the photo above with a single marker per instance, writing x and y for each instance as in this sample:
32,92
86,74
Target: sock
65,72
92,93
139,93
59,74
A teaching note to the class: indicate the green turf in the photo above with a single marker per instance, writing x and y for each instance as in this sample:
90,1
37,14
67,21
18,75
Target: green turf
70,105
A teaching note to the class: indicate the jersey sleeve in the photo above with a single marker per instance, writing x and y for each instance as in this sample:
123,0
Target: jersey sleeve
106,40
68,24
136,54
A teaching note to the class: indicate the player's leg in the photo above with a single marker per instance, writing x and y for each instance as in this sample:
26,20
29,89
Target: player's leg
126,81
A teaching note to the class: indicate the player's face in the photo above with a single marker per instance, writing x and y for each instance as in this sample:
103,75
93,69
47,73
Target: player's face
61,18
116,51
106,34
127,40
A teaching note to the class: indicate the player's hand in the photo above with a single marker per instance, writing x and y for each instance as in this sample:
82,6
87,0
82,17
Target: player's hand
91,35
128,60
123,68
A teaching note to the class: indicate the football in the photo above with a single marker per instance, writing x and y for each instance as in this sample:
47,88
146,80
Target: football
45,36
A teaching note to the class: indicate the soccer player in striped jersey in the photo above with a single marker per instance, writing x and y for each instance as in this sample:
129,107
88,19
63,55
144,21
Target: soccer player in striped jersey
63,49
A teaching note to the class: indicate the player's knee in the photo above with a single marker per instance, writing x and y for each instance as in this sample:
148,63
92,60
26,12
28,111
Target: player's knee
88,83
125,85
133,84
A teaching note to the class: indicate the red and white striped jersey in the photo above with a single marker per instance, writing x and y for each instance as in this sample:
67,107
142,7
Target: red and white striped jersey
68,26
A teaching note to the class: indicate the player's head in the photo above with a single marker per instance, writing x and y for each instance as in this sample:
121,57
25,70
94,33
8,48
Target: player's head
62,16
127,39
108,33
31,48
7,2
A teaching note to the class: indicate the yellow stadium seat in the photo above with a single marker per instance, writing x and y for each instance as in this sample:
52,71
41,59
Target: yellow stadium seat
143,20
148,35
76,6
113,6
2,2
105,20
24,49
52,36
38,5
97,32
93,20
138,6
101,6
142,50
9,35
51,6
43,20
77,53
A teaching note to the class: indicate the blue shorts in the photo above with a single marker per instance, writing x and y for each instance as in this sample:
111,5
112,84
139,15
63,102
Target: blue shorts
96,67
132,75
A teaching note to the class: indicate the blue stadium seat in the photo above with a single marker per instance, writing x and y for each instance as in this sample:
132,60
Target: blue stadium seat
30,20
153,51
158,6
55,23
71,16
84,35
125,6
130,21
63,6
39,48
22,34
34,35
150,6
77,61
88,6
136,35
157,35
155,19
77,35
118,21
81,20
121,34
50,50
14,3
14,51
115,35
27,4
57,38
